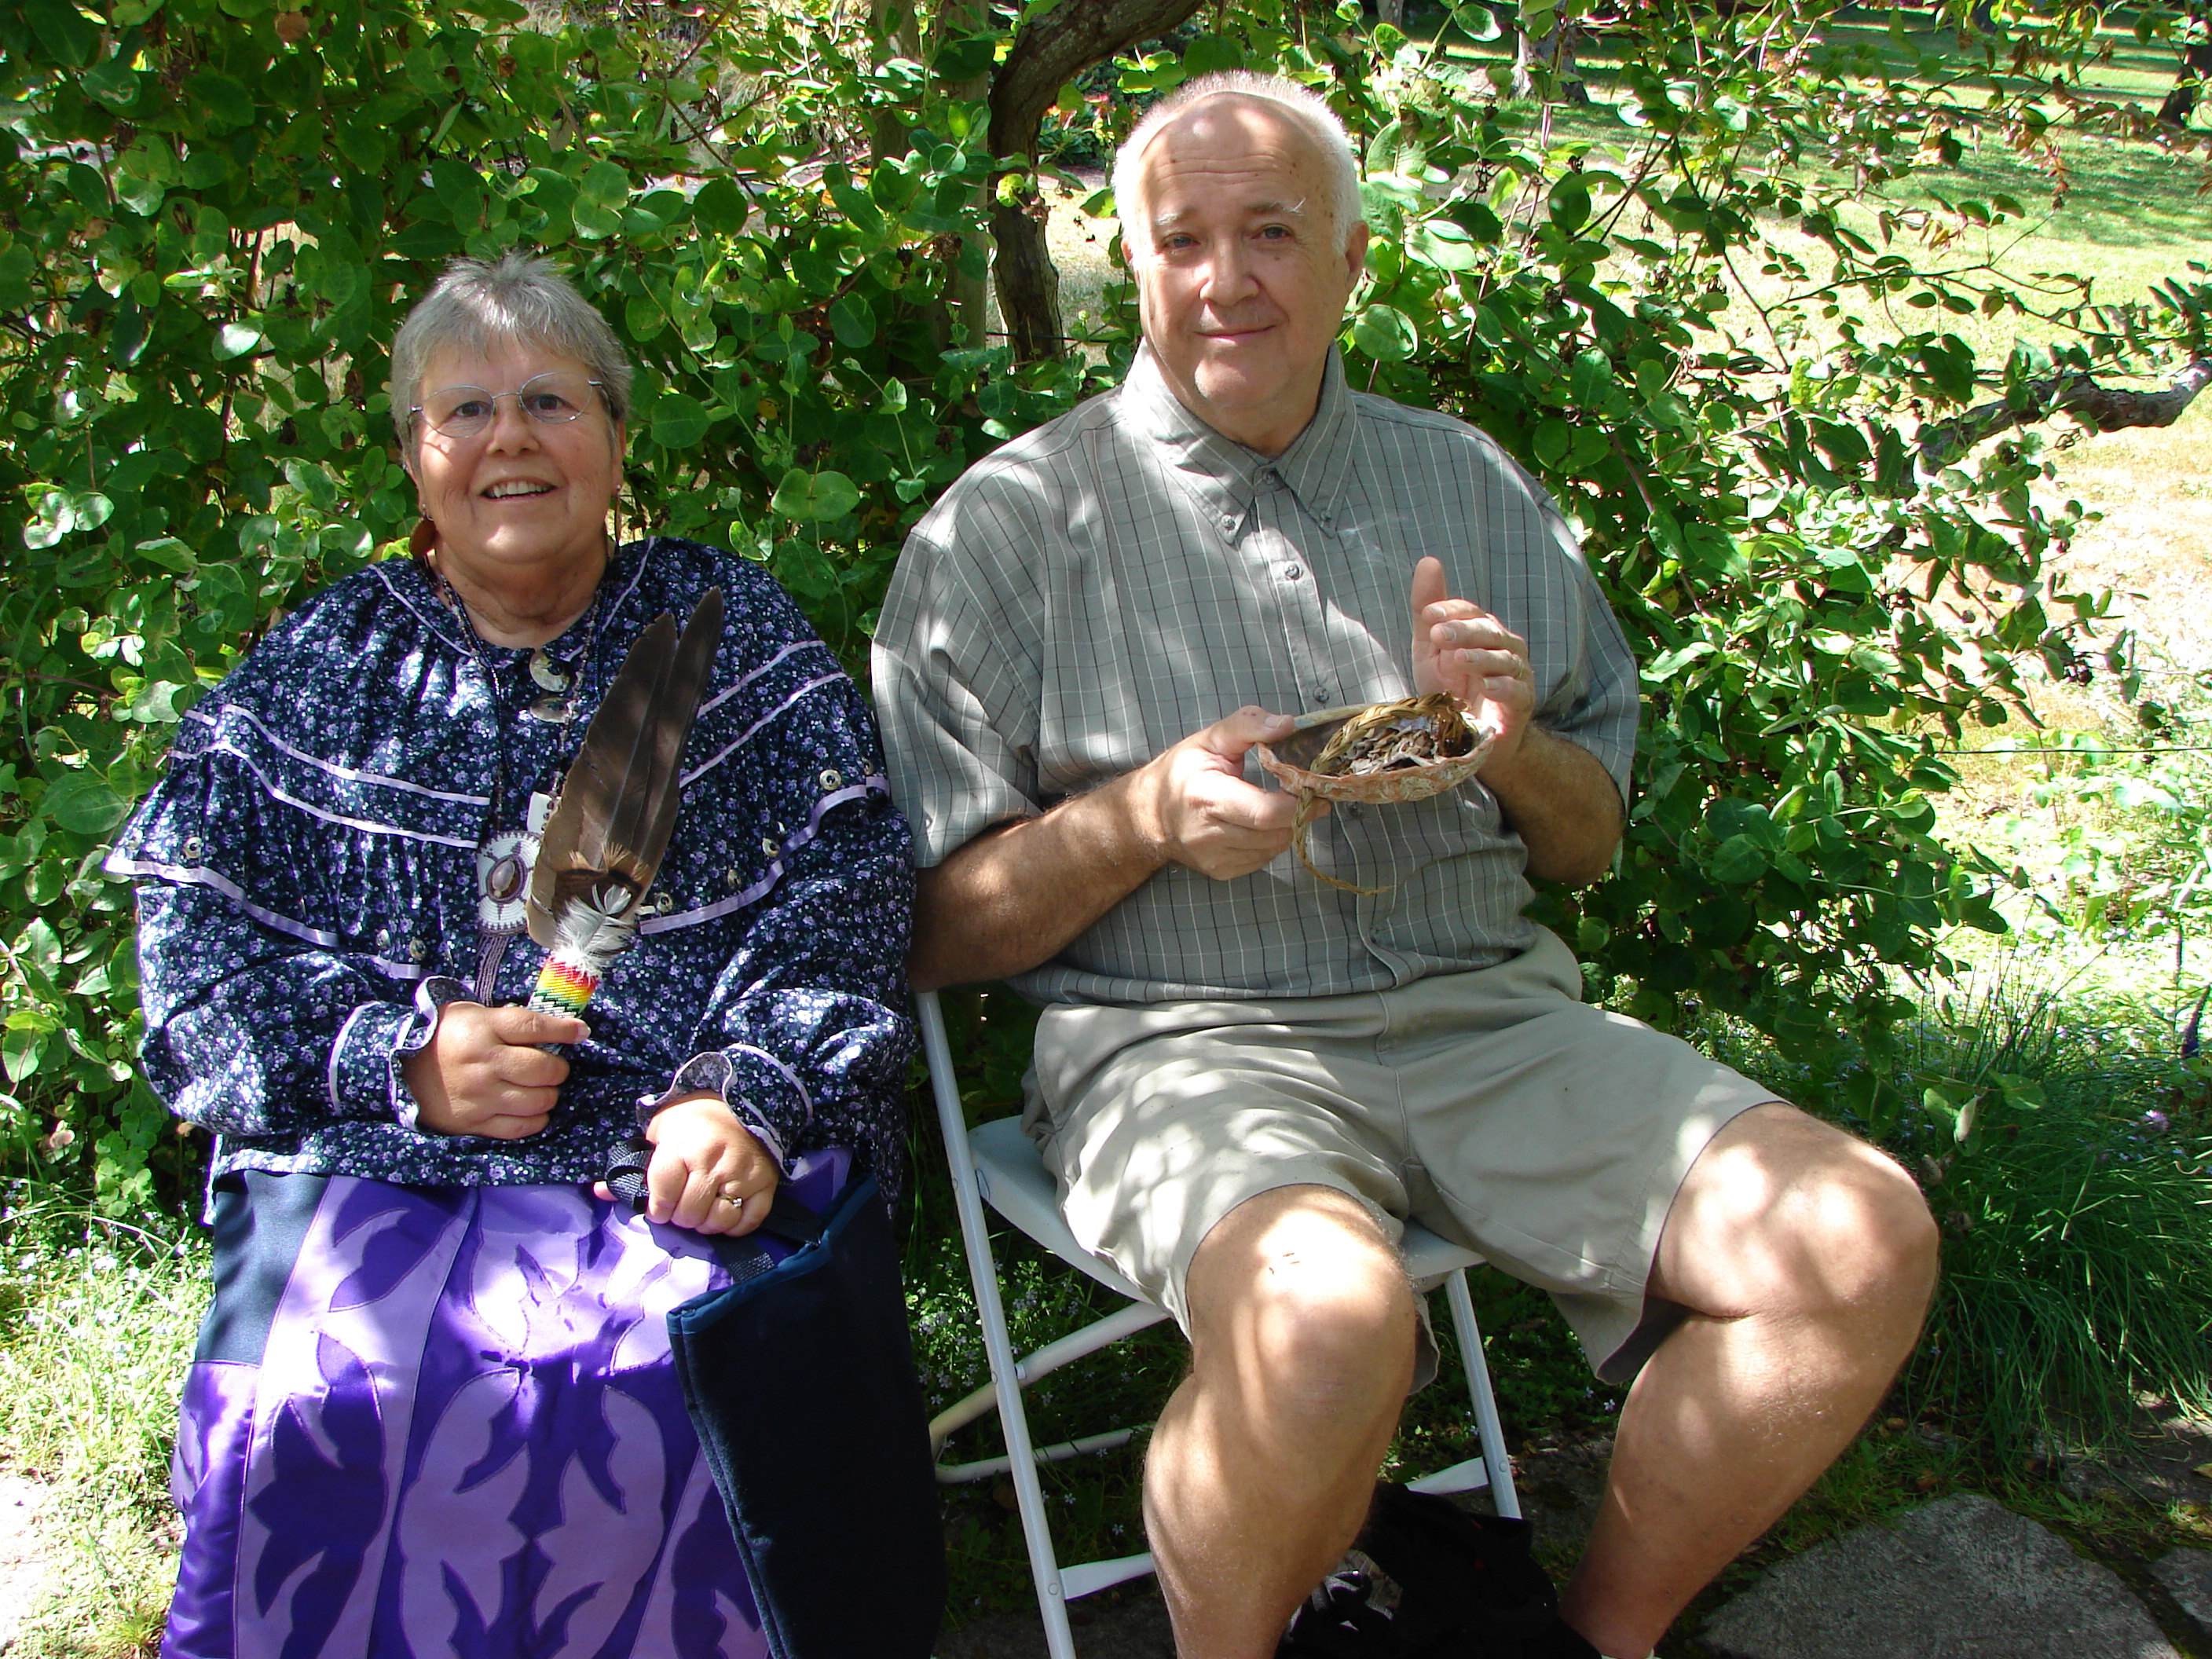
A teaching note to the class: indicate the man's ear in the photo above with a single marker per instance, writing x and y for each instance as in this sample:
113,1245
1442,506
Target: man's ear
1355,252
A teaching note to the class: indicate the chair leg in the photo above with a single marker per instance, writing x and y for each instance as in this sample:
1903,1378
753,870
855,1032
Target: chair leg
1488,1430
983,1273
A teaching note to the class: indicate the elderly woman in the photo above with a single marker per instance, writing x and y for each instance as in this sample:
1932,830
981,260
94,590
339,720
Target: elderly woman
433,1410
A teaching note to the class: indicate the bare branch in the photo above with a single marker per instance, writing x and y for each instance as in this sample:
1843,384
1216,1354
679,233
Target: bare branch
2108,409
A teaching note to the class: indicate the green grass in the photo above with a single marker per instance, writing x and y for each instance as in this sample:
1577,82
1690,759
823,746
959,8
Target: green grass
99,1321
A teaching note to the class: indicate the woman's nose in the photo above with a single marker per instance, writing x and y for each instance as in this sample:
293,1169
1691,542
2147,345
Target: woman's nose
511,428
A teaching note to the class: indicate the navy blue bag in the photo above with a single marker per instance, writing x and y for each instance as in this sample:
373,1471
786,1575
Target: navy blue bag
800,1381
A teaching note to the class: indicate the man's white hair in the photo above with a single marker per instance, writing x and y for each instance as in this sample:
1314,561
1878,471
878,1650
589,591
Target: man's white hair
1302,104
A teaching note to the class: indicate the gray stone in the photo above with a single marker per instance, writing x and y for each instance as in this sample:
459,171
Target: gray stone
2187,1574
1963,1578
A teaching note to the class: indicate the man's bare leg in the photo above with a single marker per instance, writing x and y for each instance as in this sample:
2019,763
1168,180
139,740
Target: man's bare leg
1263,1464
1806,1258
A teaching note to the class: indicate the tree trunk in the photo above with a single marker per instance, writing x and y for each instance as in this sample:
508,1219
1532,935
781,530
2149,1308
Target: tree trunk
1555,54
892,32
1048,53
1391,12
2195,70
967,298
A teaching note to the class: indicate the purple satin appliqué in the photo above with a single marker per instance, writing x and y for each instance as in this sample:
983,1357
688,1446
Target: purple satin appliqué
465,1437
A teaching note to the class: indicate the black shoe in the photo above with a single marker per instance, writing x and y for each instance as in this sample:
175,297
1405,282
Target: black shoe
1348,1617
1468,1586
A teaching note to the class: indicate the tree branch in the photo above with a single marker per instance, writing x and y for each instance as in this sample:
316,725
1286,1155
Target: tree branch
1047,54
2108,409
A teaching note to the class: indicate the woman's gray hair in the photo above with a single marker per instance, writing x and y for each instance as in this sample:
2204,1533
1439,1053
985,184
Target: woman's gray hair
1302,104
479,305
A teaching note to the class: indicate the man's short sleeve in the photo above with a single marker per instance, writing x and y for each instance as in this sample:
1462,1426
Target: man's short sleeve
1595,699
955,673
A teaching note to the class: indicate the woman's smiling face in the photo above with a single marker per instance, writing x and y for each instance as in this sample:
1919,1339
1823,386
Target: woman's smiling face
524,500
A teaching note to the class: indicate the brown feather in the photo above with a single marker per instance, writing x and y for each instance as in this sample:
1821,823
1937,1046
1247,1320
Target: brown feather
603,844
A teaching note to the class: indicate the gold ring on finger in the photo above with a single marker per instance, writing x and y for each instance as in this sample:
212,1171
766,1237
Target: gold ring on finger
733,1191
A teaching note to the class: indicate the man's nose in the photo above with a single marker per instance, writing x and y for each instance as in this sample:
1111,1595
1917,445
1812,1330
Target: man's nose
1228,274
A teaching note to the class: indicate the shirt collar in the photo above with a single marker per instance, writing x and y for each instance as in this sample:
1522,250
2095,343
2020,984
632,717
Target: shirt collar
1224,476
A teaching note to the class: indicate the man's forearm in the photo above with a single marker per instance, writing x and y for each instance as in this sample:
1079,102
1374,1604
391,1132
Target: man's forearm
1560,800
1018,893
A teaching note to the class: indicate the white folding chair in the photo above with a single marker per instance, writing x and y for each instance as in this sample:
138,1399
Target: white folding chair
997,1164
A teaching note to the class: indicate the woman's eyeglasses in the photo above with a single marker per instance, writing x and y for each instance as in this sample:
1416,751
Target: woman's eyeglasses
468,412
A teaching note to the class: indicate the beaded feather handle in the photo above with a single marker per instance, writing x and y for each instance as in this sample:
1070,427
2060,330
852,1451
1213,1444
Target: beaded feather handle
604,841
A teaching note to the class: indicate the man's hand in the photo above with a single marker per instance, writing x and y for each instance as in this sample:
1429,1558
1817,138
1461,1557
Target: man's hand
1553,792
1192,806
1462,648
708,1172
483,1073
1015,896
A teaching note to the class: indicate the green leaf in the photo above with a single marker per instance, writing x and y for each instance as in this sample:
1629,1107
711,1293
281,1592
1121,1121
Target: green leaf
114,84
1736,860
63,30
1551,442
1570,202
815,495
1445,244
21,1051
84,802
720,206
55,518
593,223
603,185
168,553
1385,333
679,420
851,320
235,340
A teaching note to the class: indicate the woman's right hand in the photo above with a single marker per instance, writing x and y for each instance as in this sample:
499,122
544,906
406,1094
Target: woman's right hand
483,1073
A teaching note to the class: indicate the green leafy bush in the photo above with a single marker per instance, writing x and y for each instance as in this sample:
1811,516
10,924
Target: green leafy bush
222,214
221,210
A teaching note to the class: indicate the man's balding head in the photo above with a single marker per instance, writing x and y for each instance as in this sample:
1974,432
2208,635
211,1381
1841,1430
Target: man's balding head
1307,108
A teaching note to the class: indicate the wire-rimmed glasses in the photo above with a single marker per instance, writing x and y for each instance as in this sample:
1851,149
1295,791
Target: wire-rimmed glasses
468,412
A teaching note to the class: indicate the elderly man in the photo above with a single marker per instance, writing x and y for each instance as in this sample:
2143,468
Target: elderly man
1244,1078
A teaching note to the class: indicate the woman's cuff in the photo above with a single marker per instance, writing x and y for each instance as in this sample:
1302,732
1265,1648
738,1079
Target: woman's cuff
410,1035
765,1095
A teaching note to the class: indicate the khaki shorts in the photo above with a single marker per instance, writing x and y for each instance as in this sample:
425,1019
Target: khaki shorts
1495,1107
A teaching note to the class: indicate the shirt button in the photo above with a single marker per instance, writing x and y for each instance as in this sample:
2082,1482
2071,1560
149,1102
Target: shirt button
416,950
833,780
1292,572
1320,697
730,879
768,846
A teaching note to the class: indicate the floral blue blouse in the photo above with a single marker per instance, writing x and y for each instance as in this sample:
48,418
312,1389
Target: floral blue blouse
332,857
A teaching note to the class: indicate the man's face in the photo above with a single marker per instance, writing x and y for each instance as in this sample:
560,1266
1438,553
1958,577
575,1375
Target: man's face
1241,274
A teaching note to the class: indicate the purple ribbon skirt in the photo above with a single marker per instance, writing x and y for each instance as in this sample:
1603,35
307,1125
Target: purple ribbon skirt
447,1424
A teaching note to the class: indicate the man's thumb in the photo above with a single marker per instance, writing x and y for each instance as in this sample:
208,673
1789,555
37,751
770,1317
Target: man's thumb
1230,738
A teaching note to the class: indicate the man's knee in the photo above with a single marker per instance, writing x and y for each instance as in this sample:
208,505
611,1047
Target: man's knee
1784,1213
1298,1287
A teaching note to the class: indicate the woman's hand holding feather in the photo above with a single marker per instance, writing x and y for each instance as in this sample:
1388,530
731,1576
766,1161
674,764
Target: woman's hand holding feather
484,1073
